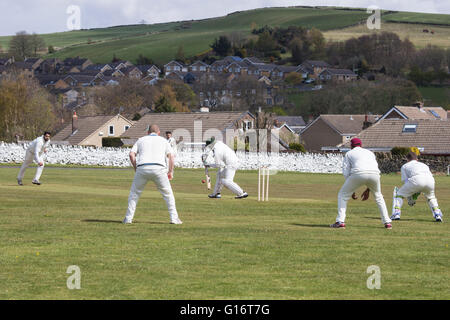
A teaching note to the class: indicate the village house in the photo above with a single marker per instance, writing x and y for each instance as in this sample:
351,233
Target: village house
337,75
431,137
89,131
330,130
314,67
416,112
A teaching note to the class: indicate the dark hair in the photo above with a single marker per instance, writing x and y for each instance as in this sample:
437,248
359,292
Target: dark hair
168,132
47,132
411,156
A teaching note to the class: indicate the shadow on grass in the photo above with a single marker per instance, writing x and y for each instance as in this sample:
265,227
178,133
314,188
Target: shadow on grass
403,219
312,225
119,221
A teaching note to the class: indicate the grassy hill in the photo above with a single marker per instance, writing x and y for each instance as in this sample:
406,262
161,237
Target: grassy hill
161,41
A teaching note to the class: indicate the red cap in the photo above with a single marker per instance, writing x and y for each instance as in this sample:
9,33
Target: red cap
356,142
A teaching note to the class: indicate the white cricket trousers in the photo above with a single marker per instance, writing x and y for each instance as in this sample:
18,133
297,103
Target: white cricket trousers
225,177
353,182
158,175
418,184
29,158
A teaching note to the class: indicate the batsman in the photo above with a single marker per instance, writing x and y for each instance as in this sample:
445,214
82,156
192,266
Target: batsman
218,155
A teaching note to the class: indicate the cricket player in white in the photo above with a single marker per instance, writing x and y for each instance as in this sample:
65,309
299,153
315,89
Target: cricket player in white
360,168
226,160
172,142
417,178
35,153
148,157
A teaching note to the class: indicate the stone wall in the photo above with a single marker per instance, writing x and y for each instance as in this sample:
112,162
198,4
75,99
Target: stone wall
389,163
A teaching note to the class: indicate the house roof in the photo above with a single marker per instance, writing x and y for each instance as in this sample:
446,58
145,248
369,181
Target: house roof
77,61
345,72
252,60
292,121
185,120
345,124
317,63
433,136
406,112
86,127
45,79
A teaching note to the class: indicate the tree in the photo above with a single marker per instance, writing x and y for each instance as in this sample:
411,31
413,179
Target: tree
25,108
221,46
180,55
300,50
141,60
51,49
163,105
294,78
37,43
20,46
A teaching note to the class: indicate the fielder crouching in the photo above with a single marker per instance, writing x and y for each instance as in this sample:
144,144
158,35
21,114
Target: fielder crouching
360,168
417,178
217,154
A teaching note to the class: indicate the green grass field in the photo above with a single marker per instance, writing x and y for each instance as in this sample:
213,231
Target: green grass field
438,96
416,17
225,249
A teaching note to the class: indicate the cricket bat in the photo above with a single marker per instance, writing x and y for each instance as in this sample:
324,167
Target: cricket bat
208,178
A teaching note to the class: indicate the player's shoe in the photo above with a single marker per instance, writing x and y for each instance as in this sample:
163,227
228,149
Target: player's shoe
438,216
36,182
126,221
216,196
337,225
19,182
388,225
176,221
395,216
412,199
242,196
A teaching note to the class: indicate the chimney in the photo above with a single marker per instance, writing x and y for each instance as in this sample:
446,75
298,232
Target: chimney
74,122
366,122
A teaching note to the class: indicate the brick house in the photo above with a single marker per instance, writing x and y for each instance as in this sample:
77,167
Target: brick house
329,130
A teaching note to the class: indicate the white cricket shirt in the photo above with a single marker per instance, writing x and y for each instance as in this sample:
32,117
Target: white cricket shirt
414,168
224,156
151,149
359,160
37,148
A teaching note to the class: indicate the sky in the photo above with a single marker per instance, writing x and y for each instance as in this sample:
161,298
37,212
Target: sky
47,16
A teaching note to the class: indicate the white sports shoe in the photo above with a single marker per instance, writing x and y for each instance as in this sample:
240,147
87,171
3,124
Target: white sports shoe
176,221
396,215
438,216
125,221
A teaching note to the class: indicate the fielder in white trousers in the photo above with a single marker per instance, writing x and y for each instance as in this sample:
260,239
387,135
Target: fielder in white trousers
148,157
29,159
34,154
360,168
417,179
158,175
353,182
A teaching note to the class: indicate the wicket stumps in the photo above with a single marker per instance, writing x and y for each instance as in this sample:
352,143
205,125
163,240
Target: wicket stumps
263,183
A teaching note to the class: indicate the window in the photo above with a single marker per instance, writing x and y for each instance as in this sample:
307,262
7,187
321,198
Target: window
269,101
409,128
435,114
111,130
246,125
202,68
126,127
194,68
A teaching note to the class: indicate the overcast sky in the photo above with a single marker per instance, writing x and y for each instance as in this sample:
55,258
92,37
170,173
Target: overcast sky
46,16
